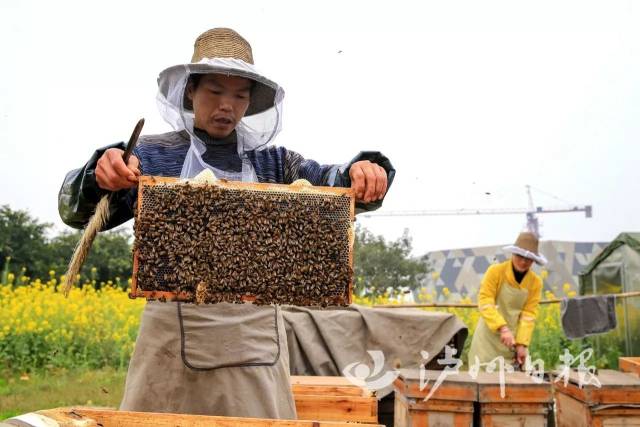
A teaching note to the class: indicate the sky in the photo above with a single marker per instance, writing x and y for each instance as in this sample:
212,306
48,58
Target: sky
470,100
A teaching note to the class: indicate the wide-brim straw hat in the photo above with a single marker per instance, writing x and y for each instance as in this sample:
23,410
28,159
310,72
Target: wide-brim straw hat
235,52
526,245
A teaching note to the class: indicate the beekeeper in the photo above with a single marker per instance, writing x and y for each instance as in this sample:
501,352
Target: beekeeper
508,302
219,359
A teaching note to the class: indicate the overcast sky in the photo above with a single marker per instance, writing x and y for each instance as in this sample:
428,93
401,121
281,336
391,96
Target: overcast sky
471,101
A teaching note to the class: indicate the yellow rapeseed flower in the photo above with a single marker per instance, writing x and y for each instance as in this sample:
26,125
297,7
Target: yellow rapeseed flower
83,324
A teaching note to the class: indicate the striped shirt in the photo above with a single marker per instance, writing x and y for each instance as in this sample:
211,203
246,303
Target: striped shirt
164,155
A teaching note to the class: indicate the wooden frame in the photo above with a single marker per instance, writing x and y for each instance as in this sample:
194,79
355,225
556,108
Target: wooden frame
616,388
630,365
614,403
409,412
525,403
519,388
571,412
234,185
327,385
451,403
88,417
333,399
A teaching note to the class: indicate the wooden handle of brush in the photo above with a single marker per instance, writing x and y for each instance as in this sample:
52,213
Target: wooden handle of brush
133,141
97,221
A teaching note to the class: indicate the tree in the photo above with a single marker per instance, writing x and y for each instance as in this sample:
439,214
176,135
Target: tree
23,243
380,265
109,258
23,240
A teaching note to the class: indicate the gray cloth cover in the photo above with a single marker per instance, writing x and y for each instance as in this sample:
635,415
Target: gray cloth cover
588,315
324,342
235,360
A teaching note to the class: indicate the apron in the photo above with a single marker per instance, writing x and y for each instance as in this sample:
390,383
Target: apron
212,359
486,344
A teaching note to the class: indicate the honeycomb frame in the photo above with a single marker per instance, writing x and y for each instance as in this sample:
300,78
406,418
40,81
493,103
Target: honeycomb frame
272,206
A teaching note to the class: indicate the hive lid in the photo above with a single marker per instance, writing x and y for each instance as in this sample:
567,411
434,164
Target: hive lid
607,387
517,387
455,386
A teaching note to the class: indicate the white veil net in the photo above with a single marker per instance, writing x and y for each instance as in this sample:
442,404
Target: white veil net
258,128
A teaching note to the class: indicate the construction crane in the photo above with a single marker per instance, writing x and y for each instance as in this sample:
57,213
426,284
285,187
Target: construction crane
531,212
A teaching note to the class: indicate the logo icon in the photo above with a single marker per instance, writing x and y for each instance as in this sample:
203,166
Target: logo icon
374,379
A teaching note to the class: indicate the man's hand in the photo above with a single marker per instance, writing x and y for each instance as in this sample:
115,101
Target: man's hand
369,181
521,354
506,337
113,175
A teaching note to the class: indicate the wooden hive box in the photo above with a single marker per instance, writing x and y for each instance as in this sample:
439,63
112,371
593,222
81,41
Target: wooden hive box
333,399
96,417
243,242
630,365
525,403
450,405
615,403
320,401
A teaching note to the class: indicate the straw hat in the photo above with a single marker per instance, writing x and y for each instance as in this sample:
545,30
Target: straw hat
526,245
230,48
222,43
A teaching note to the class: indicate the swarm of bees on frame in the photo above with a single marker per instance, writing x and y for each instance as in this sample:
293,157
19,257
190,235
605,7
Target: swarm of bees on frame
217,244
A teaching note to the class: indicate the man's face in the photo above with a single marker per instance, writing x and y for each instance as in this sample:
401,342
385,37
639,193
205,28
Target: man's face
521,264
219,102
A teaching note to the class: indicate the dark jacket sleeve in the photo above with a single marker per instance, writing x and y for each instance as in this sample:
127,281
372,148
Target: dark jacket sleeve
80,194
297,167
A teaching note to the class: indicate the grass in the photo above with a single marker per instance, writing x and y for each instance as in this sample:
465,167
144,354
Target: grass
61,387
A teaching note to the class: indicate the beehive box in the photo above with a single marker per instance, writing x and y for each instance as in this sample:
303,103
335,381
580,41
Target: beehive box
93,417
450,405
616,402
525,403
630,365
330,401
332,398
238,242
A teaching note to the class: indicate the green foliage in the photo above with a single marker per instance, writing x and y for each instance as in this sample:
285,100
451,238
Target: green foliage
381,266
23,241
110,256
4,278
26,250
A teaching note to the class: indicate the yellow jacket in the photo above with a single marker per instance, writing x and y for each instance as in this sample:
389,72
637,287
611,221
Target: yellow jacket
502,275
